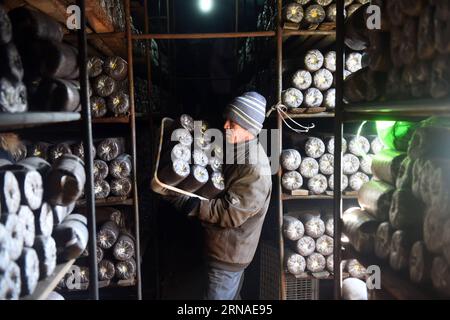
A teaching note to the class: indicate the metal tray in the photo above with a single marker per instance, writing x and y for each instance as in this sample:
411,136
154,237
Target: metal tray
157,185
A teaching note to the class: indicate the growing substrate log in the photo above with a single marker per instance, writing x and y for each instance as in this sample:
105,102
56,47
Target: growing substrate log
420,262
65,181
401,244
110,148
10,192
126,270
291,180
360,227
293,228
318,184
124,248
294,263
316,262
314,226
375,198
121,187
102,189
101,169
14,226
440,276
406,211
29,271
71,237
290,159
357,180
106,270
46,250
305,246
27,218
309,168
386,165
383,239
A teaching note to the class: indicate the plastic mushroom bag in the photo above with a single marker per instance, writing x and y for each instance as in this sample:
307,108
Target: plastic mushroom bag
290,159
293,228
294,262
292,180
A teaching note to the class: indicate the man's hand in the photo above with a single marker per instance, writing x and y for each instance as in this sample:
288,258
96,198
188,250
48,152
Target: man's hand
183,203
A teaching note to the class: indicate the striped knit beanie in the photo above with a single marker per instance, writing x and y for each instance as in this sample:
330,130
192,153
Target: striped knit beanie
248,111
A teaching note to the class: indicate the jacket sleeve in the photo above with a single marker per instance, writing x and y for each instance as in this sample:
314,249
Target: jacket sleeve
245,197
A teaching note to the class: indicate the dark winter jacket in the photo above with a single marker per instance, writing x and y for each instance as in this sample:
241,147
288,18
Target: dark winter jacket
234,220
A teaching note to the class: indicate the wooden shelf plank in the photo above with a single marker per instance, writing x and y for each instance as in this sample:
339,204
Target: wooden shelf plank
308,276
288,33
105,284
46,286
112,120
392,282
111,201
32,119
286,197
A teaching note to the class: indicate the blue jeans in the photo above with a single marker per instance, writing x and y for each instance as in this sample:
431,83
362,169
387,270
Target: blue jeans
223,285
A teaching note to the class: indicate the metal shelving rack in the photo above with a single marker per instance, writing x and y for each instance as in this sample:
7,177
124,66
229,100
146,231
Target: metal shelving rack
129,120
11,122
334,36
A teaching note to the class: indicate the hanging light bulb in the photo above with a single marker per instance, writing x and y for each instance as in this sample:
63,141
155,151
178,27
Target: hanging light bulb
205,5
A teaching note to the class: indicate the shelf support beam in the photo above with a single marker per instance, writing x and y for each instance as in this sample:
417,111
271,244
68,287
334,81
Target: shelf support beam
338,134
133,146
89,160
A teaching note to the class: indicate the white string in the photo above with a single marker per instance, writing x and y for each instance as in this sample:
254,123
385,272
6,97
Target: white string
281,109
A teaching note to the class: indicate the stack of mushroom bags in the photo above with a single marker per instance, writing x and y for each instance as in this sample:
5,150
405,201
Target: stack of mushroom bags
313,86
311,164
407,56
112,165
115,252
404,213
38,227
308,244
108,79
191,161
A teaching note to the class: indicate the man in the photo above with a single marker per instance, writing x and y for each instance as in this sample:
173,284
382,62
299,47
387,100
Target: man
234,220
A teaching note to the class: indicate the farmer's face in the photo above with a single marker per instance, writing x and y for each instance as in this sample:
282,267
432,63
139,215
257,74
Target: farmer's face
235,133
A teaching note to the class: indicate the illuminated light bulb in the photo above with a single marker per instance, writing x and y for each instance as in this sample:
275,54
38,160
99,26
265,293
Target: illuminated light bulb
205,5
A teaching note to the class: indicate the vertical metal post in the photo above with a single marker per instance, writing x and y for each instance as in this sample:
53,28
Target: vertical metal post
280,141
338,134
236,41
133,147
152,130
236,15
88,157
